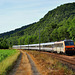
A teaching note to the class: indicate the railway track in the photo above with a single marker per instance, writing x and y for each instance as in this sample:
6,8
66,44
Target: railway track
64,59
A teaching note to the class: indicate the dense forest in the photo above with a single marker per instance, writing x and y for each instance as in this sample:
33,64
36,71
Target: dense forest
56,25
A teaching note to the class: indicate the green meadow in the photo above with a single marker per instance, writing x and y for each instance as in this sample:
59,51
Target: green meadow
7,60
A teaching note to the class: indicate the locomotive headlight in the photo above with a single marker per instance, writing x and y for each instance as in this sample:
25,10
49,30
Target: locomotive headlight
72,48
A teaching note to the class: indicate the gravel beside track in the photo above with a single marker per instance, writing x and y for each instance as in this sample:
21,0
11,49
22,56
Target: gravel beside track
33,67
69,61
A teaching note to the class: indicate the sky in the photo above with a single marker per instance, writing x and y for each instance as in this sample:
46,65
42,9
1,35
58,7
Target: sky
17,13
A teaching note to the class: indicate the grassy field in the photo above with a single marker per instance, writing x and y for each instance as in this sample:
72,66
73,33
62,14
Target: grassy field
7,59
48,65
5,53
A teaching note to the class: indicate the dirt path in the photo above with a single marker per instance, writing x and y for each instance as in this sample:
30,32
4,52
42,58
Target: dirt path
24,66
33,67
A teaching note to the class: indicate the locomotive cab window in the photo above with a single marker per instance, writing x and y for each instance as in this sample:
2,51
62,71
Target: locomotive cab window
67,43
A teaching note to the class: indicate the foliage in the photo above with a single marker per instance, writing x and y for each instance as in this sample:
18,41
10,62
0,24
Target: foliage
56,25
3,44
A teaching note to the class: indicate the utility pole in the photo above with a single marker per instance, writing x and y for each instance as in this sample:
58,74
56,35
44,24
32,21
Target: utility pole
28,42
39,39
20,44
24,41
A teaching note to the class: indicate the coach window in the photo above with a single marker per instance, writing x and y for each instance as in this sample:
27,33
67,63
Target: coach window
57,45
50,46
61,45
44,46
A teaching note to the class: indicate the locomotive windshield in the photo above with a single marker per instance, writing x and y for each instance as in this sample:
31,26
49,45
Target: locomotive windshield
67,43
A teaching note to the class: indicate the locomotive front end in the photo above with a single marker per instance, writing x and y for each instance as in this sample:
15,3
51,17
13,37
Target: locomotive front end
69,47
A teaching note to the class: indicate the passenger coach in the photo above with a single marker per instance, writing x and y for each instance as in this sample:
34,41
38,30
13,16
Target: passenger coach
65,46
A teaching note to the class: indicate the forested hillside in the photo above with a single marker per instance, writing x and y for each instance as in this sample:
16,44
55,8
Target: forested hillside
56,25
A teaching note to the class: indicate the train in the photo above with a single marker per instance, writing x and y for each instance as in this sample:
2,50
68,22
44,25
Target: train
65,46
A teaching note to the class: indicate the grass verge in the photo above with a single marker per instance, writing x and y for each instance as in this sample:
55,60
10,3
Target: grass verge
7,64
